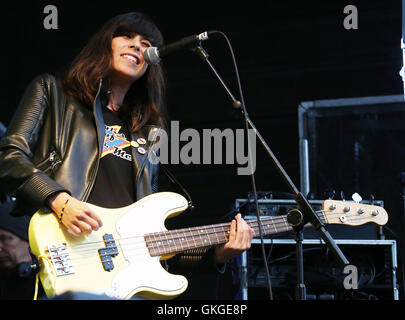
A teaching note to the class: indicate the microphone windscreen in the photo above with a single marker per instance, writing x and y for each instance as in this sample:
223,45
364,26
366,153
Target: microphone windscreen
151,55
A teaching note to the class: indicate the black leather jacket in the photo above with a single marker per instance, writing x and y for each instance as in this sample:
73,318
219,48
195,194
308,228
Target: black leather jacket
53,144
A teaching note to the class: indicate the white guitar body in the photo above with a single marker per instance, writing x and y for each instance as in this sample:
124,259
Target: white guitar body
135,271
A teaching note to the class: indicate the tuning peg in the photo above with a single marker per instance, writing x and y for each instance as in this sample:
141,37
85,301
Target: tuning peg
342,196
332,207
330,194
371,199
356,197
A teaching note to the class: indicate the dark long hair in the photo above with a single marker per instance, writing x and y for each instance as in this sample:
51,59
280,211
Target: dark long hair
144,101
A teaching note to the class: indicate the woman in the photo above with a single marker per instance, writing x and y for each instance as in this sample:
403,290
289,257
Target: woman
85,138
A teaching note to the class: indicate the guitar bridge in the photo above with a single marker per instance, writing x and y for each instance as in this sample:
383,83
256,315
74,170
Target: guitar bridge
61,261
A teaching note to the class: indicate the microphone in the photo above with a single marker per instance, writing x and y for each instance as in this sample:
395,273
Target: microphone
152,55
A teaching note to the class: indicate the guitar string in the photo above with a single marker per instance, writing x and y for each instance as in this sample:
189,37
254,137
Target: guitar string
173,239
270,226
127,255
93,247
186,230
190,236
132,254
174,233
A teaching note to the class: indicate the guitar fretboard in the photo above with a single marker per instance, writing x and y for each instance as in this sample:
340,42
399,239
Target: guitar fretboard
173,241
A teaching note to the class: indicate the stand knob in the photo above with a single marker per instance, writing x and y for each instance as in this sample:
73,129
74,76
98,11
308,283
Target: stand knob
294,217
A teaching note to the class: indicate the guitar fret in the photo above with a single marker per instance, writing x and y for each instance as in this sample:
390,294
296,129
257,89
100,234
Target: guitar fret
199,234
275,228
191,233
167,244
207,237
216,236
226,233
180,240
157,243
161,244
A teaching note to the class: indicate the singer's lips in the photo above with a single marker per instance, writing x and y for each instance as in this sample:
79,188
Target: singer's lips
131,57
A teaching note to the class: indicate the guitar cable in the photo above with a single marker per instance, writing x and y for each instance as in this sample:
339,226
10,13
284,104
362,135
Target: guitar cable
36,286
175,181
35,267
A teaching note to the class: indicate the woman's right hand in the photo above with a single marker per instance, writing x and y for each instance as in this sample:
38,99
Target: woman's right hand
77,216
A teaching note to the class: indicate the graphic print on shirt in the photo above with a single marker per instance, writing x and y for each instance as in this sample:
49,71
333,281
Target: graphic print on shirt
115,143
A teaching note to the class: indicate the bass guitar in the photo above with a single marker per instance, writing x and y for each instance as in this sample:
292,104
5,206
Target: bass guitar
122,258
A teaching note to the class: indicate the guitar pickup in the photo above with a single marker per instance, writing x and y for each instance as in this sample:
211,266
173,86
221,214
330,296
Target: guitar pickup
107,253
106,259
110,244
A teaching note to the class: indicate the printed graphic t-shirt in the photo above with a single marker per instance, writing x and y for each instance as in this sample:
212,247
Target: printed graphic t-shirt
114,186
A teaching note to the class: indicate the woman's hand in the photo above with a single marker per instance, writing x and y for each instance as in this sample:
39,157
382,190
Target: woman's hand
240,238
77,216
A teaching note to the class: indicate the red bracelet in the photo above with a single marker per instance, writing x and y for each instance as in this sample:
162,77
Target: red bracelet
63,210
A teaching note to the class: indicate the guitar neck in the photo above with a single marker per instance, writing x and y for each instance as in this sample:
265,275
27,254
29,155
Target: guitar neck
174,241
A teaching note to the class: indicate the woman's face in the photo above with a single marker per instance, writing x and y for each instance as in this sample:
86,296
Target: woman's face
128,63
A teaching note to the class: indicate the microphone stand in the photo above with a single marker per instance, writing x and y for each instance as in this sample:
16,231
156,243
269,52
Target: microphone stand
296,218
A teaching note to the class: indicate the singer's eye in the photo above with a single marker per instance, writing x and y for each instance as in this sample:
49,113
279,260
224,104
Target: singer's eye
127,35
146,44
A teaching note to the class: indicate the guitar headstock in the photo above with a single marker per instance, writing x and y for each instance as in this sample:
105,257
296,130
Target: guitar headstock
353,214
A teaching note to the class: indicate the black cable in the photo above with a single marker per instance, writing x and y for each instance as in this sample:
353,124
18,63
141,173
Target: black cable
173,179
249,153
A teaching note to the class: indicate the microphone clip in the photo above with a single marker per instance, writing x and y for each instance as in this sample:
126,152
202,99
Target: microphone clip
199,50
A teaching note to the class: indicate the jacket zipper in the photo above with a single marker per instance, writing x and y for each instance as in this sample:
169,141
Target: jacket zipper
52,160
94,173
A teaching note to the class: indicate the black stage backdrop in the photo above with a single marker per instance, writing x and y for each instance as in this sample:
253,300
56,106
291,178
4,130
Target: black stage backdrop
287,52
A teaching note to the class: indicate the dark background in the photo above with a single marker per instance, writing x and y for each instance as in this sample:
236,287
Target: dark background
287,52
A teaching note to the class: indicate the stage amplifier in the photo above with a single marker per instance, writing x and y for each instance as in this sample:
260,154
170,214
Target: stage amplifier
375,260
